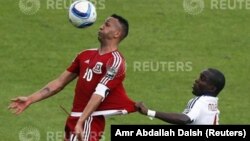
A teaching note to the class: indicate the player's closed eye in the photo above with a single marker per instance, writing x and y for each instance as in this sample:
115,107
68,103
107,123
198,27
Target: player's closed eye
202,78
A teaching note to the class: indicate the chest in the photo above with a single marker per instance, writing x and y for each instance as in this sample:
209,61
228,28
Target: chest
95,63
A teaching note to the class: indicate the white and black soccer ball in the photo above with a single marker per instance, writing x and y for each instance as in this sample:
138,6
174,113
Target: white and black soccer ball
82,13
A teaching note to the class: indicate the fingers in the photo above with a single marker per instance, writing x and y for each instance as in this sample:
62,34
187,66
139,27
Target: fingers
18,111
18,105
141,108
79,136
79,131
12,105
14,99
137,104
19,99
15,109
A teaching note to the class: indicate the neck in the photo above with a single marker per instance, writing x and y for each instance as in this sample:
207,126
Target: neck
106,48
209,94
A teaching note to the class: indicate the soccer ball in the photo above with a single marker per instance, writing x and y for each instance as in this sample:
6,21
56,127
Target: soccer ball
82,13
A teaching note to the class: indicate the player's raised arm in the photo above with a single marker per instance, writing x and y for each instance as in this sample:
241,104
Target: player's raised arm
19,104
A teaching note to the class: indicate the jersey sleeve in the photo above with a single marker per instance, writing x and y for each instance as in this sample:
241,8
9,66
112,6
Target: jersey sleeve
75,65
114,76
193,109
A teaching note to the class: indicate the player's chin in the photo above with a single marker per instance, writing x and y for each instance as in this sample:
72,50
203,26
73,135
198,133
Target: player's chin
195,91
99,38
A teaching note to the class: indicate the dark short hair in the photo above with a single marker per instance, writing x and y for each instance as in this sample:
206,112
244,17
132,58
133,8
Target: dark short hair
217,79
124,24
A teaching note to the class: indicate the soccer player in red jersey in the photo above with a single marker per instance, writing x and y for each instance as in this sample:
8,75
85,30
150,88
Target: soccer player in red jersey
99,90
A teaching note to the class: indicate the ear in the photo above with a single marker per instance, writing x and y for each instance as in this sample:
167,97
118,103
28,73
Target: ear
212,88
117,34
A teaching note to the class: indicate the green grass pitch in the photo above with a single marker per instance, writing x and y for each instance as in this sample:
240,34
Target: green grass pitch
35,49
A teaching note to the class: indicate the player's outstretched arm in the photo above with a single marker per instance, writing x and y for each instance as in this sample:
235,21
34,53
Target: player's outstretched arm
141,108
19,104
174,118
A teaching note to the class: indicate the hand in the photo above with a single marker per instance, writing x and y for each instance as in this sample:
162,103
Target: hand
141,108
19,104
79,130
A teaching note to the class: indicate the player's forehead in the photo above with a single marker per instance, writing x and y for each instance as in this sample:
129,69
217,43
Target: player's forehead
206,74
111,20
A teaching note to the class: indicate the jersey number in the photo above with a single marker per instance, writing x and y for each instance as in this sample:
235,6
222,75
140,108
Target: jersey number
88,74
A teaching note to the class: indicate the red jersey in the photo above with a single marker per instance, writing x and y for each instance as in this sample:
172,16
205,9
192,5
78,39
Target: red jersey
107,69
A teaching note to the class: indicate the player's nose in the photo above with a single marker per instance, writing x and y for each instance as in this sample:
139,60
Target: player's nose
101,27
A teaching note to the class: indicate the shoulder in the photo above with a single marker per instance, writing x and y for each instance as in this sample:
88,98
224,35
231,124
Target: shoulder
116,59
193,101
87,51
202,101
208,98
116,55
92,50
